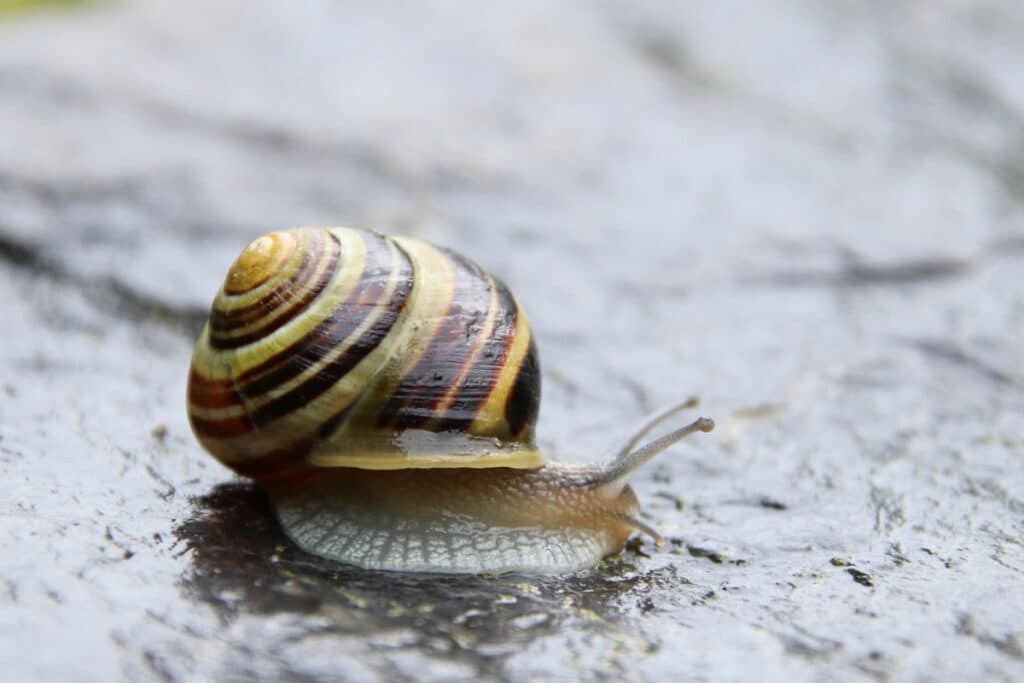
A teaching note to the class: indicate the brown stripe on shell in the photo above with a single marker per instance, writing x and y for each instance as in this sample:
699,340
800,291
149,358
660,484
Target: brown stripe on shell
524,399
277,466
236,315
334,421
223,320
297,293
485,367
207,393
333,372
220,429
344,320
310,349
413,403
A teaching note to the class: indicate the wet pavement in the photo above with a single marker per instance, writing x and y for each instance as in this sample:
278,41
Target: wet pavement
810,214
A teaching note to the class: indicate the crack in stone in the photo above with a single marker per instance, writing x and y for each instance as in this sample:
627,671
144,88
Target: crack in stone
940,84
954,354
666,54
809,645
106,292
918,271
70,191
169,489
1007,245
157,664
1009,644
888,510
126,550
273,139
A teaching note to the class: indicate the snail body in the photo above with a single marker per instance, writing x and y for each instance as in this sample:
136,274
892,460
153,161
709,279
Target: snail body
385,391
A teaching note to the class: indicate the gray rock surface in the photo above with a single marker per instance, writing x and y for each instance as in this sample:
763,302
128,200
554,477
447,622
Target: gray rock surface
809,213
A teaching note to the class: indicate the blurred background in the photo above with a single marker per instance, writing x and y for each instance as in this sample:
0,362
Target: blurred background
808,213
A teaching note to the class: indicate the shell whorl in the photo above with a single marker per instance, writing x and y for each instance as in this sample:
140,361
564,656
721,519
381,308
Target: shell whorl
339,347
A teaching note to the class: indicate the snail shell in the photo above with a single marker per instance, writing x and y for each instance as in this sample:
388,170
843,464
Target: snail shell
345,348
385,391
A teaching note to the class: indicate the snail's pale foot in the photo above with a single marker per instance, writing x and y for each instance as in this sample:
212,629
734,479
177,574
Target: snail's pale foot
358,532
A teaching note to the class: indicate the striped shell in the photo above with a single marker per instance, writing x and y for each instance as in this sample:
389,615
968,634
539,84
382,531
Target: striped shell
335,347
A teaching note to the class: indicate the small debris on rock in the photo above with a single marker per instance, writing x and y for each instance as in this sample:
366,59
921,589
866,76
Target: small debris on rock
713,555
863,578
635,544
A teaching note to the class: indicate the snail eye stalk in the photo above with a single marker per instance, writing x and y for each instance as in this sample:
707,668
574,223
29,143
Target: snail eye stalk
628,461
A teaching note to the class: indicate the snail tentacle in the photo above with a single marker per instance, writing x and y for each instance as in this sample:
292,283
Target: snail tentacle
620,468
644,527
627,447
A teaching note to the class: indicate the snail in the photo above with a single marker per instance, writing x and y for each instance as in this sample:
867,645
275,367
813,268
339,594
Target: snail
384,391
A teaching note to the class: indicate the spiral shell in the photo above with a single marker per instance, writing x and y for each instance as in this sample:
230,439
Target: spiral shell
336,347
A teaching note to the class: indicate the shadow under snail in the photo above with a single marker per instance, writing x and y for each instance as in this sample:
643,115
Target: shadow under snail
384,391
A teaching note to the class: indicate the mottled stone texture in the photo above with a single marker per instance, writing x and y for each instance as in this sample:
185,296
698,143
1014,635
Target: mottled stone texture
810,213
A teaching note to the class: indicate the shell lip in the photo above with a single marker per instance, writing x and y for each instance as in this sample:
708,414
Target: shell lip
423,449
382,460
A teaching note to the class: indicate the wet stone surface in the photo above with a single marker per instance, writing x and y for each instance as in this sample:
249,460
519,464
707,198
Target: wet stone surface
808,213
